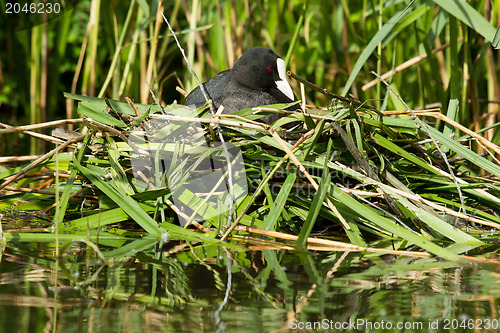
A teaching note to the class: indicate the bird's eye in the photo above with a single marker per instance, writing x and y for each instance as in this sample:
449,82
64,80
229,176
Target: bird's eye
269,69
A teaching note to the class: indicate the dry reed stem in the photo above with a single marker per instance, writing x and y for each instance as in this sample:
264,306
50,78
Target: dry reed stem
258,244
405,65
29,190
440,116
319,244
215,121
337,264
286,112
71,197
8,159
91,123
39,160
132,105
16,129
38,135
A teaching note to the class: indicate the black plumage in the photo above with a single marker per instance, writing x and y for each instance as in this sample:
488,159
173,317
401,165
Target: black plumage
258,78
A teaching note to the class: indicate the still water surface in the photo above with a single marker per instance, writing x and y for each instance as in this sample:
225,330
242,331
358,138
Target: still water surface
181,288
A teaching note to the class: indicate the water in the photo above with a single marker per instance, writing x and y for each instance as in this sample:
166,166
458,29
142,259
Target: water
178,288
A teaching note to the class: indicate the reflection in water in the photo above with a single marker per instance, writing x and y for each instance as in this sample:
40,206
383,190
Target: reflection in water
220,324
186,288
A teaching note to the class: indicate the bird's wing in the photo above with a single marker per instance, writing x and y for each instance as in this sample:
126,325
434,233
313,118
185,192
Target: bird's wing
215,87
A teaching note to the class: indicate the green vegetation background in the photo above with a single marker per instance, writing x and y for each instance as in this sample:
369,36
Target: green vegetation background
112,48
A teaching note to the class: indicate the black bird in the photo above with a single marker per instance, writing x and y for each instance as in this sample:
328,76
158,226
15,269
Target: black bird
258,78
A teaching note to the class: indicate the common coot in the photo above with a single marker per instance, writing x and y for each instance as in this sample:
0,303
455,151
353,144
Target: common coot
258,78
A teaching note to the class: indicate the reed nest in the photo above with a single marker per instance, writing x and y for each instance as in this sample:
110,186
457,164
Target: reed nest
346,176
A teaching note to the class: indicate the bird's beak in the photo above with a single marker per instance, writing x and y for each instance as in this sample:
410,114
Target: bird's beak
282,83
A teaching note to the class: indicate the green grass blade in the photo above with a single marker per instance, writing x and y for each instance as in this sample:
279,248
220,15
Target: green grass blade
131,249
101,117
389,145
471,156
463,11
99,220
70,237
129,205
317,203
496,39
362,210
64,200
374,42
433,221
279,274
452,113
279,203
